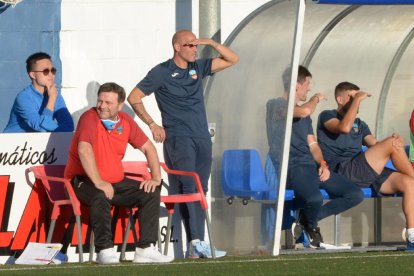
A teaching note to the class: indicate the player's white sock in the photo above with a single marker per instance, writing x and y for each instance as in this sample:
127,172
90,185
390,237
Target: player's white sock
410,234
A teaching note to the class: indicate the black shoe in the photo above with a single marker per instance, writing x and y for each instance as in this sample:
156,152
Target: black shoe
298,226
315,237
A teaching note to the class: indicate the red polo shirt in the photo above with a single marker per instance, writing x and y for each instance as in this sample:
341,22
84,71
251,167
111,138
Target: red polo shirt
108,146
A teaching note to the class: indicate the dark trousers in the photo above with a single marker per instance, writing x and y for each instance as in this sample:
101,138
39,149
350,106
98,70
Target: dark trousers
304,180
126,194
194,155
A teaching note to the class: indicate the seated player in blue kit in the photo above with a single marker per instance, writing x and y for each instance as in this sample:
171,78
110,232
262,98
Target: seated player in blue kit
341,134
308,172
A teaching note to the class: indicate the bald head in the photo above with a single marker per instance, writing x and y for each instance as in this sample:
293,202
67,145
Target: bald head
179,36
184,44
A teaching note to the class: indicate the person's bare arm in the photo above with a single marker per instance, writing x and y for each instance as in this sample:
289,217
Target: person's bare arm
135,100
150,153
227,56
316,152
369,141
306,109
87,158
344,126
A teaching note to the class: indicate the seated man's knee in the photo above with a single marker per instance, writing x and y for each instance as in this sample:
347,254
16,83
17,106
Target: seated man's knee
396,142
314,200
157,191
388,142
408,185
99,199
155,196
356,197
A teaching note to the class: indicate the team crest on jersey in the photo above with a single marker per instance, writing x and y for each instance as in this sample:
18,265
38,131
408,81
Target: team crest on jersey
355,127
193,74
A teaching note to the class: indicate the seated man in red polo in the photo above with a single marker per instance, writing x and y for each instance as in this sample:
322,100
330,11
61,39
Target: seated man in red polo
96,171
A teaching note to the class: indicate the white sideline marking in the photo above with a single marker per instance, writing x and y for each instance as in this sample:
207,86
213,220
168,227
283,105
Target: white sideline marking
201,262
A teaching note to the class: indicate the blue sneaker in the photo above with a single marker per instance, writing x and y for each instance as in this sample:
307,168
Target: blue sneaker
410,245
201,249
60,258
303,239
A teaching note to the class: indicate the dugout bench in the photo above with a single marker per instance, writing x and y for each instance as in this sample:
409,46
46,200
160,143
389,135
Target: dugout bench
243,177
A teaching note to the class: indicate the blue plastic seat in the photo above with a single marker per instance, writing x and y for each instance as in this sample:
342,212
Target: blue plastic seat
242,174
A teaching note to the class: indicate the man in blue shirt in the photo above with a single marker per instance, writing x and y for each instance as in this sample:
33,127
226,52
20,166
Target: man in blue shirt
308,172
178,88
40,107
341,135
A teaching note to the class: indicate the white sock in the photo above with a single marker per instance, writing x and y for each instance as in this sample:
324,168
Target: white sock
410,234
193,242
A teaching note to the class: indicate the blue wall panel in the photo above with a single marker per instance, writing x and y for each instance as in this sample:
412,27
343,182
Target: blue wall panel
31,26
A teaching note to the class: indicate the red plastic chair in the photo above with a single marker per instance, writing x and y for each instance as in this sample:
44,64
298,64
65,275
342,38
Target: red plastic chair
140,169
60,192
171,200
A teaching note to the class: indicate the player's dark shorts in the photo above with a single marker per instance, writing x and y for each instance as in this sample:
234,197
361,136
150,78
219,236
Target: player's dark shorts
360,173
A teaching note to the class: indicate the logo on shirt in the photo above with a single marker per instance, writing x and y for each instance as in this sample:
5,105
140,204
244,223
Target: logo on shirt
174,74
355,127
193,74
119,129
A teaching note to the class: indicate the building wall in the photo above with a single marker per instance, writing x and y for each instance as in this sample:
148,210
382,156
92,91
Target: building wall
29,27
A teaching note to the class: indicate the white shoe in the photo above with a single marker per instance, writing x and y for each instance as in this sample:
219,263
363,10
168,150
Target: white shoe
150,255
107,256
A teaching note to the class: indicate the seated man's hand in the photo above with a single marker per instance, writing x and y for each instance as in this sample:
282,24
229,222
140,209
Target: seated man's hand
52,90
398,141
324,173
107,188
149,186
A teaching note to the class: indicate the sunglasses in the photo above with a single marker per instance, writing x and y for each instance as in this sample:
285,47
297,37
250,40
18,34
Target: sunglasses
47,71
189,45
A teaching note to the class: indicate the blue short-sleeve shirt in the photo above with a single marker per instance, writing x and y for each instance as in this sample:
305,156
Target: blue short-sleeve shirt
276,110
299,147
338,148
179,95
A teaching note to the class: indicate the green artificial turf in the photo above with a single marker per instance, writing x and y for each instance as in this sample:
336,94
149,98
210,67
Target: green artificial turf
372,263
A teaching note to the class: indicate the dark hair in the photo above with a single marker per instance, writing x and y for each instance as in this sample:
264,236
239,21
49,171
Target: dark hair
345,86
32,59
303,73
115,88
